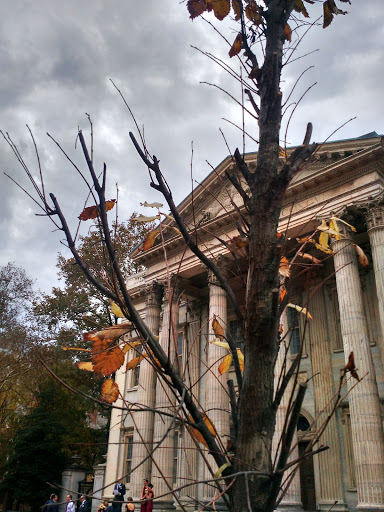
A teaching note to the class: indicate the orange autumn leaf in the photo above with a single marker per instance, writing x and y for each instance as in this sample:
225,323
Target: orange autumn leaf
106,359
149,240
350,366
284,269
283,293
85,365
307,256
217,329
236,47
109,391
128,346
134,362
225,364
91,212
288,32
196,434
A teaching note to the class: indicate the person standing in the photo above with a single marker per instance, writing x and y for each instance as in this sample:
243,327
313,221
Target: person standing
130,505
70,507
147,494
84,505
51,505
119,491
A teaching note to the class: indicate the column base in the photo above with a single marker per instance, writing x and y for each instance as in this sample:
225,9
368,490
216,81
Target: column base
291,506
326,505
370,508
163,506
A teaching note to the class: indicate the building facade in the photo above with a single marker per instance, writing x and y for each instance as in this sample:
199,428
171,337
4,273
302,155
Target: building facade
178,298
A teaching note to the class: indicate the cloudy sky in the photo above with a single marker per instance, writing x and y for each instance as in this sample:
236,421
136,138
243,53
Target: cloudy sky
57,59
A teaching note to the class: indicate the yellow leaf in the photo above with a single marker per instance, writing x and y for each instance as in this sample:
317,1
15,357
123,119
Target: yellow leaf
282,152
225,364
336,219
324,249
333,225
361,256
76,348
221,469
300,310
324,239
109,391
240,356
330,231
127,347
134,362
223,344
87,366
217,329
116,310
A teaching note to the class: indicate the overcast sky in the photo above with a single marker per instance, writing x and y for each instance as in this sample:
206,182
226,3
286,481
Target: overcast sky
57,59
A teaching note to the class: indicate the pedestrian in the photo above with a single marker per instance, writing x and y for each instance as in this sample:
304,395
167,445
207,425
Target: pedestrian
70,505
115,505
119,491
51,505
84,505
103,506
130,505
147,495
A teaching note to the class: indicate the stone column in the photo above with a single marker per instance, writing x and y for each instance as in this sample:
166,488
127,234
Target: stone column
191,363
217,405
162,468
374,215
146,396
114,464
366,422
98,484
292,499
330,487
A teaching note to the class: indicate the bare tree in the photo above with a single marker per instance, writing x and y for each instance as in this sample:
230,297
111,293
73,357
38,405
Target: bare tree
254,482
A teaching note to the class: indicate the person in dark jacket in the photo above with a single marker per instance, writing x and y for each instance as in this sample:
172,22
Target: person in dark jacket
51,505
84,505
119,491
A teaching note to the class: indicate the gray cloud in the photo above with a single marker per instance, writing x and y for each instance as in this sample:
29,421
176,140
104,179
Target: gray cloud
57,59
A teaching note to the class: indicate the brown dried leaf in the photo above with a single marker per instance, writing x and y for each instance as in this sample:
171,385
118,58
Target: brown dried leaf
307,256
350,366
236,47
196,8
252,13
111,332
300,7
217,329
91,212
106,359
221,8
109,391
236,9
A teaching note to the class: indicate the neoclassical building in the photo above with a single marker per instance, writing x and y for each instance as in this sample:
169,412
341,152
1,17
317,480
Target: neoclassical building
346,301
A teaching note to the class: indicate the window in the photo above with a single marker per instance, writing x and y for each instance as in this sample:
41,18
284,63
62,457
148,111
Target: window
180,340
136,372
128,440
294,335
350,459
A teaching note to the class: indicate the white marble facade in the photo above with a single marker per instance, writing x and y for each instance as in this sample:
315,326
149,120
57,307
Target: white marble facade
345,177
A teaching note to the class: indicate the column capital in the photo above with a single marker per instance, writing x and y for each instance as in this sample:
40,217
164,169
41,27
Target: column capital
173,288
223,264
154,294
194,310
